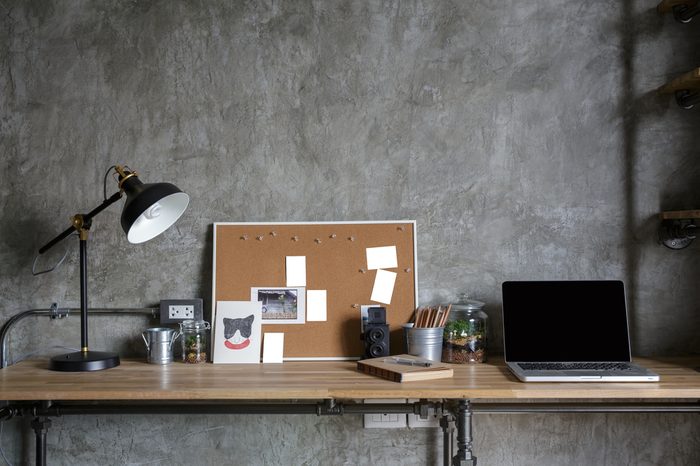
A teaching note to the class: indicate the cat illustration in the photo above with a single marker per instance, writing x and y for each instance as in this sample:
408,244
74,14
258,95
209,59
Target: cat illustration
238,331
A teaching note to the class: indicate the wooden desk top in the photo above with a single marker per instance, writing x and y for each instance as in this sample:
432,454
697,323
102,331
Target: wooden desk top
139,381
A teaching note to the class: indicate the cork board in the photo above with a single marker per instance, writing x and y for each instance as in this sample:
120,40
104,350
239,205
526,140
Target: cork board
248,255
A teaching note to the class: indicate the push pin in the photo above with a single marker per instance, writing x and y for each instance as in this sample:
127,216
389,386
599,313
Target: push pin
400,228
351,238
244,237
355,306
273,233
260,238
407,269
362,270
295,238
318,240
332,236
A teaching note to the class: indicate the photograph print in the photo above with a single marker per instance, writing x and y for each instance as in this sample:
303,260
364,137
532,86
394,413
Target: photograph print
280,305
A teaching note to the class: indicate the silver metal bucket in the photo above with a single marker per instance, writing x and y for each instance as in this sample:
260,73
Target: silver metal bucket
159,344
424,342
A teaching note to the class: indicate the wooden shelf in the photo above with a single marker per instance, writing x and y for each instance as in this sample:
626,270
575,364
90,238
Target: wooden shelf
139,382
683,11
684,82
680,215
666,6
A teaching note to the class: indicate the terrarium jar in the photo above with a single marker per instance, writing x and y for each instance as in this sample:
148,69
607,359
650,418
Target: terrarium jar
195,341
464,338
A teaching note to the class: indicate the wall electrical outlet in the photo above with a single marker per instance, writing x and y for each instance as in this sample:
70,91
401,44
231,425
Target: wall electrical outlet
173,311
384,421
415,421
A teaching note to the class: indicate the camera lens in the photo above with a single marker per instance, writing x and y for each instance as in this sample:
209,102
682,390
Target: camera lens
376,350
376,334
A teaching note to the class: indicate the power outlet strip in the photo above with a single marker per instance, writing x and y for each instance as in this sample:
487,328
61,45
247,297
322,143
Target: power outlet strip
384,421
174,311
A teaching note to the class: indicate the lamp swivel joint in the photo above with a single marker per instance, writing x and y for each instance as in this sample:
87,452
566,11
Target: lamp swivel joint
82,225
124,174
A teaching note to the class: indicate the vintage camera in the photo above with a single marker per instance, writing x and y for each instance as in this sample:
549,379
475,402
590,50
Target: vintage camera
376,335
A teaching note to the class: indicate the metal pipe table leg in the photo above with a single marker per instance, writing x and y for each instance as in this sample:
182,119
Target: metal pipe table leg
41,426
464,456
448,427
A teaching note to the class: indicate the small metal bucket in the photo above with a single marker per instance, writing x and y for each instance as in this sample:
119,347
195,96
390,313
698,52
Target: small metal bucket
424,342
159,344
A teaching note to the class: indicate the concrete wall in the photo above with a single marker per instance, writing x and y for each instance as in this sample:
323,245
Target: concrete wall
524,137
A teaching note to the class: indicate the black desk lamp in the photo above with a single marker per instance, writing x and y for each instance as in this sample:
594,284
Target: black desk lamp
150,209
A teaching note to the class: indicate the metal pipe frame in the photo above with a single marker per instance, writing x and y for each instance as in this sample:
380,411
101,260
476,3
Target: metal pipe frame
464,456
41,412
324,408
40,425
461,415
447,424
57,313
333,407
465,410
583,407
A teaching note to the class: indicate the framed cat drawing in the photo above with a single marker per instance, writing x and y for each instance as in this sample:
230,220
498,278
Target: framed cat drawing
237,332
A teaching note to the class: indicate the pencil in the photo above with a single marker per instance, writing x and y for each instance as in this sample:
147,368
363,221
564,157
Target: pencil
420,313
431,316
443,321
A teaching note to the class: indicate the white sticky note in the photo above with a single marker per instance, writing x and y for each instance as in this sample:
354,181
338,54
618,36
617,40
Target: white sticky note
273,347
296,271
383,286
316,305
383,257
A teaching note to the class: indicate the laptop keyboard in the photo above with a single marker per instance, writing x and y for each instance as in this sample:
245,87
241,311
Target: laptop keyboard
567,366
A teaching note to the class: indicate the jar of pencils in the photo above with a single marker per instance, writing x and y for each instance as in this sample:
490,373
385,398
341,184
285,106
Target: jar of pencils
424,336
464,338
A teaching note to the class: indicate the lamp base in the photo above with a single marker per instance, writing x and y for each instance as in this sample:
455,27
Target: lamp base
84,361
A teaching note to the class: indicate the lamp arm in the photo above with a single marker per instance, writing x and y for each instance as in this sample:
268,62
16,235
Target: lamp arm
83,220
107,202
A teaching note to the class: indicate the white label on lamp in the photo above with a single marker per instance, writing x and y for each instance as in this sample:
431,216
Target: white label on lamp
316,305
381,258
383,286
296,270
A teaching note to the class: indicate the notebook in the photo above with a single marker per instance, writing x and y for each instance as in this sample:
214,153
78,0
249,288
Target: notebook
404,368
568,331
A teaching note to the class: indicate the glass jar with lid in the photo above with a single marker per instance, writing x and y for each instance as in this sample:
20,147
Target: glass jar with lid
464,338
195,341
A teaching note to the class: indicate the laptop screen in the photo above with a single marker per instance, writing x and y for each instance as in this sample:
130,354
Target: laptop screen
565,321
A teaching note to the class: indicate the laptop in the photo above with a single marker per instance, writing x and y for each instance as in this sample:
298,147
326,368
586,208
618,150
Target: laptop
568,331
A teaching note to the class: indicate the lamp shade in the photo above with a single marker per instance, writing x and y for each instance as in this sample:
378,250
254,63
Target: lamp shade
150,209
